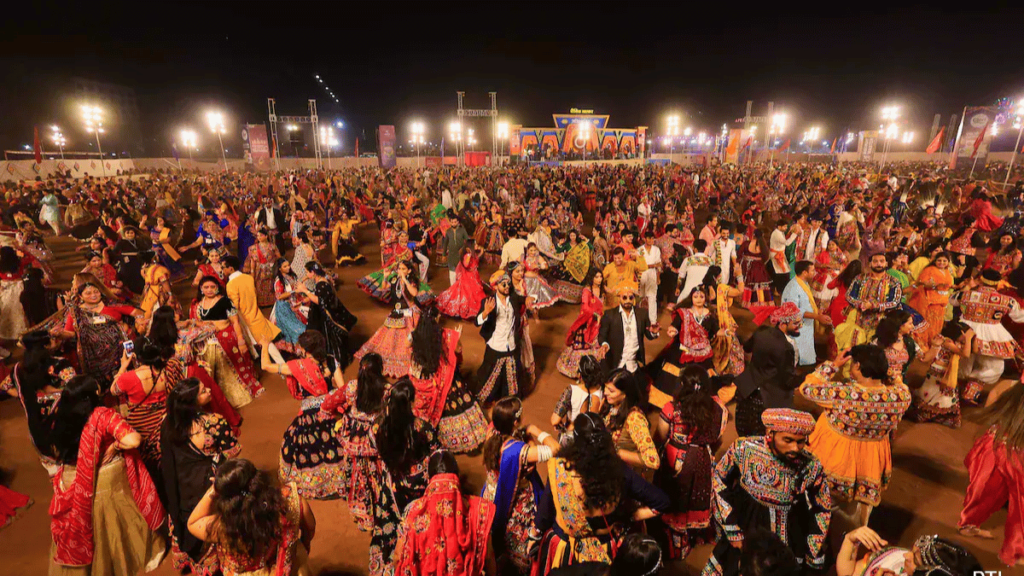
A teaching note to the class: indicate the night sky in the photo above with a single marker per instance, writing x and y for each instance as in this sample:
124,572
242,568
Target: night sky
392,63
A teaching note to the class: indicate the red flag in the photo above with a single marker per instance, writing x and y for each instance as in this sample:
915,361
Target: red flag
936,142
980,139
37,147
273,149
834,140
750,140
357,147
785,145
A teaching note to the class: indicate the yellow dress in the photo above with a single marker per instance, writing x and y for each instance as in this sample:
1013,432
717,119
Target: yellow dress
614,278
851,438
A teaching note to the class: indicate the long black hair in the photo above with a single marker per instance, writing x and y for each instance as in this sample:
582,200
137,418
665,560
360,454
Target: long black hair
34,299
80,397
279,275
694,401
850,273
399,441
428,349
32,377
872,360
591,454
163,330
182,410
9,260
888,331
249,507
504,416
370,384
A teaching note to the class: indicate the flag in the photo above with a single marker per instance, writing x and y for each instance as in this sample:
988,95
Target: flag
979,140
750,140
936,142
273,149
357,147
785,145
174,150
834,140
37,146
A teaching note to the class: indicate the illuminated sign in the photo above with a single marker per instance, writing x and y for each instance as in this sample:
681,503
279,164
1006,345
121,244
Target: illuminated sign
579,111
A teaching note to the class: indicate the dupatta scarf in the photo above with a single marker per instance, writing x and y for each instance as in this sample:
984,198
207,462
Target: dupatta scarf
577,262
307,376
513,466
71,507
432,392
572,516
444,533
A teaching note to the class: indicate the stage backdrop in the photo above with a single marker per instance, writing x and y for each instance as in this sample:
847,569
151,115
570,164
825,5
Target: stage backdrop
386,142
974,136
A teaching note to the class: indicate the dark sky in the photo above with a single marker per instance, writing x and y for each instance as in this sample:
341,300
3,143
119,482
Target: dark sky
394,62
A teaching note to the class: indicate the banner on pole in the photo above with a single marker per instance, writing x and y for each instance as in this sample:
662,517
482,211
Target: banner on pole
257,146
386,141
514,145
868,142
732,150
974,137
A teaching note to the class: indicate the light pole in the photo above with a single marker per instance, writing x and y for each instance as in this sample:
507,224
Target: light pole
188,140
502,136
889,114
327,137
1018,123
94,123
58,139
216,120
455,132
778,126
671,130
417,130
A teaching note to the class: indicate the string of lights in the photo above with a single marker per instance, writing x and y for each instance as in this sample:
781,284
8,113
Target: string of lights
326,87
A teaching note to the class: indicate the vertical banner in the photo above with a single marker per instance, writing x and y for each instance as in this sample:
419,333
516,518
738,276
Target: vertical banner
258,149
641,140
974,136
386,141
732,149
867,145
514,147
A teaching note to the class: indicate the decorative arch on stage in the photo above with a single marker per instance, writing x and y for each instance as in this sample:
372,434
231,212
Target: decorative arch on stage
579,131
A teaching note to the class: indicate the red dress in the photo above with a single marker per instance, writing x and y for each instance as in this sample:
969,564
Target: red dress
582,337
984,219
463,299
11,503
997,477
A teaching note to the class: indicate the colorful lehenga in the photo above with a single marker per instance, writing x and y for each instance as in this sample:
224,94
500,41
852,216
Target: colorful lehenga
536,287
931,299
100,335
827,267
938,399
311,452
515,490
581,339
444,400
260,265
288,314
378,284
219,351
573,272
757,288
463,299
392,341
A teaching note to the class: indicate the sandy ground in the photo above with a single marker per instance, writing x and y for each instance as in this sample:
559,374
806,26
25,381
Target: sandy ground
924,497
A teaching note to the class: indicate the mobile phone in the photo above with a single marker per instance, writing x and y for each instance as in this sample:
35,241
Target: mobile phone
129,347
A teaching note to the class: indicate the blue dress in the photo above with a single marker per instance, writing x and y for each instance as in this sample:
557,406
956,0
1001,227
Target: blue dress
245,239
283,315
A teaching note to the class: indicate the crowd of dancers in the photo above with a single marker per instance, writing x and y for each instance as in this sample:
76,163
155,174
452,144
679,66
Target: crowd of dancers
134,398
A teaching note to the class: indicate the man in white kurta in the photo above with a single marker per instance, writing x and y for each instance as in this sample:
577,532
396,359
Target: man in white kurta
649,278
777,244
723,253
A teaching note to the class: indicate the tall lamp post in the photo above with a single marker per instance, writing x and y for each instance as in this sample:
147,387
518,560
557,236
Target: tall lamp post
94,123
671,130
417,130
778,126
188,140
889,114
502,136
58,138
216,121
327,137
455,132
1018,123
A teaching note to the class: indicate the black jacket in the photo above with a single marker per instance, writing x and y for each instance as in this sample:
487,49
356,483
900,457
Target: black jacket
612,332
491,320
772,368
279,221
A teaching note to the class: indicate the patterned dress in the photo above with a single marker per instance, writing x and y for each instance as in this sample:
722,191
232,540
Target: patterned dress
260,264
582,337
311,452
937,399
852,436
514,488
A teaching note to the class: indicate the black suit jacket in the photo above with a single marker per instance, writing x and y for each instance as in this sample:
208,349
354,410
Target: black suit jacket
771,368
612,332
282,224
491,320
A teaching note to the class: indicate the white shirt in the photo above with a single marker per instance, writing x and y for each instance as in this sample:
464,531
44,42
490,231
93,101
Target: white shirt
446,198
692,272
271,221
504,338
234,275
513,250
728,252
653,258
778,243
817,242
630,340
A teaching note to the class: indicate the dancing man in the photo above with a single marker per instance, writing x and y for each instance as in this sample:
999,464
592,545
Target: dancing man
500,322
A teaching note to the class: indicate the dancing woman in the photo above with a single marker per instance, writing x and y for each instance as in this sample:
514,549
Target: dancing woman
581,340
99,330
380,284
463,298
310,453
288,313
391,341
442,397
259,263
511,455
327,314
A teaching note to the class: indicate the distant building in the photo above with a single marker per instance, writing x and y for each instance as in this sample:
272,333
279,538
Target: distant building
120,113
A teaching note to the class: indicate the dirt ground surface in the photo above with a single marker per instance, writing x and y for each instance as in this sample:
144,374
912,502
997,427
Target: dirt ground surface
924,497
